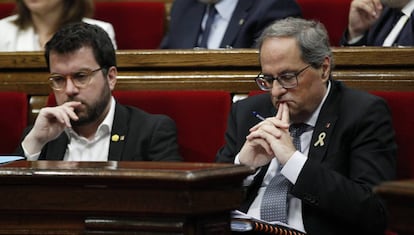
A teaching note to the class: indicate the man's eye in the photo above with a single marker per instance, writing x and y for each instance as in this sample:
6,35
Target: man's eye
287,76
58,78
268,78
80,76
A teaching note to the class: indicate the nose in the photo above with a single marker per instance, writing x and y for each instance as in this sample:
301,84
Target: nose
70,88
277,89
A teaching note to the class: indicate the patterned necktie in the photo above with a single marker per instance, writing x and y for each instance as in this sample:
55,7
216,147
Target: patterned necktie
212,12
274,205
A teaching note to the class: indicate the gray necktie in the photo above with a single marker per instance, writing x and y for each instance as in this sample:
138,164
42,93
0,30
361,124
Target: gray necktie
212,12
274,204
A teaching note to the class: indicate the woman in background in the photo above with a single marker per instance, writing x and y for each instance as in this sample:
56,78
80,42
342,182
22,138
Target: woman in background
36,21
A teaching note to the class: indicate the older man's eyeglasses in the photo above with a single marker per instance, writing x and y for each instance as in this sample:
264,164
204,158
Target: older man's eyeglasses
80,79
286,80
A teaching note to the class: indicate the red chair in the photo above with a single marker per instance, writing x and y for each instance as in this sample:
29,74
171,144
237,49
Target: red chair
200,117
137,25
6,9
14,118
400,103
332,13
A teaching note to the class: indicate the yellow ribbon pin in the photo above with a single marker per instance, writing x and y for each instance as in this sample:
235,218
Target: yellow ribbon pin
115,138
321,139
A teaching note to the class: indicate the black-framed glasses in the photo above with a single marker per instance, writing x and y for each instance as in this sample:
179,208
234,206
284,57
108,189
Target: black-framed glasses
286,80
80,79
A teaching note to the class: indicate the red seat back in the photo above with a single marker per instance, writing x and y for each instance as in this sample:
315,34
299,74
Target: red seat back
14,118
6,9
332,13
400,104
137,25
200,116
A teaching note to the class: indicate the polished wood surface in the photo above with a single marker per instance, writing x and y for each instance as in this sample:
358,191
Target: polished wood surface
230,70
399,198
55,197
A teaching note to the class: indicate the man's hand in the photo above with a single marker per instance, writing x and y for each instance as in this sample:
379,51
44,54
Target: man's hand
268,139
362,15
49,124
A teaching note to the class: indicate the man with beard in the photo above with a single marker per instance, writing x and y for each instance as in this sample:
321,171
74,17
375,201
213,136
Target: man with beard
319,147
88,124
233,23
380,23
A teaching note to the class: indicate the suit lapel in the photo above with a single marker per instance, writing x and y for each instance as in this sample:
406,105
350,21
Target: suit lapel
119,133
56,150
237,20
194,17
325,125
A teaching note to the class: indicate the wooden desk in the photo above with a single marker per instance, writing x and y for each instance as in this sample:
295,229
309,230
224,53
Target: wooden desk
399,196
51,197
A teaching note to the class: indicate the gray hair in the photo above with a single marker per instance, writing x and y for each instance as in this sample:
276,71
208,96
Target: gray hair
311,36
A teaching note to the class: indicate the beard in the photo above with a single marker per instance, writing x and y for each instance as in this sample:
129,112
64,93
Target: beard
92,111
395,3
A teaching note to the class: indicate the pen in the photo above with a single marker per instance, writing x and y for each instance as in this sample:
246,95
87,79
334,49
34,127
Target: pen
256,114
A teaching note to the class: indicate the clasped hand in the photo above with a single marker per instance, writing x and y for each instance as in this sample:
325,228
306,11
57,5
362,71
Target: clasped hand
268,139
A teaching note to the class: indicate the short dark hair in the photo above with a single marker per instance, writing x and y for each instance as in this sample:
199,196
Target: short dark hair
74,36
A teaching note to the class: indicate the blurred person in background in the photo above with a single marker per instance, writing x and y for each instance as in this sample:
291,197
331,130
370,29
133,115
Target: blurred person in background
36,21
380,23
233,23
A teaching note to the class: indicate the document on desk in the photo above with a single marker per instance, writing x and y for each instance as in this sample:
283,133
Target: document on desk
7,159
242,222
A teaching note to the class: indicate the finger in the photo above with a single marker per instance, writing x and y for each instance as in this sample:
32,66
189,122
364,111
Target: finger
279,112
285,115
258,142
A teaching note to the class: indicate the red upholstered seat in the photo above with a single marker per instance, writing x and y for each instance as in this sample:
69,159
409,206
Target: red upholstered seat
137,25
13,120
332,13
200,116
401,104
6,9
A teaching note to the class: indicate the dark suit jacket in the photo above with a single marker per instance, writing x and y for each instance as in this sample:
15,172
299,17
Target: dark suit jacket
147,137
187,15
335,184
380,30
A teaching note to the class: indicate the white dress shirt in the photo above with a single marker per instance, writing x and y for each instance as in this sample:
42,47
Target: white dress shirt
15,39
291,171
225,10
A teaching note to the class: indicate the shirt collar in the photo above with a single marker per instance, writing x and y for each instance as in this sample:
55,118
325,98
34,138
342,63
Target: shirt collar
225,8
312,120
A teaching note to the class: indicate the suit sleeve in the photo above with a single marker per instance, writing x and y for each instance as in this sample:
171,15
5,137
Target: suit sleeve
163,142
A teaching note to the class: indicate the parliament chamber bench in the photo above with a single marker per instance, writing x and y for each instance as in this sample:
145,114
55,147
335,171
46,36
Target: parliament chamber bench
195,88
174,78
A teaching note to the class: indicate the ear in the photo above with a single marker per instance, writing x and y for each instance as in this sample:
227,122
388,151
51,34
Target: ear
111,76
326,68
